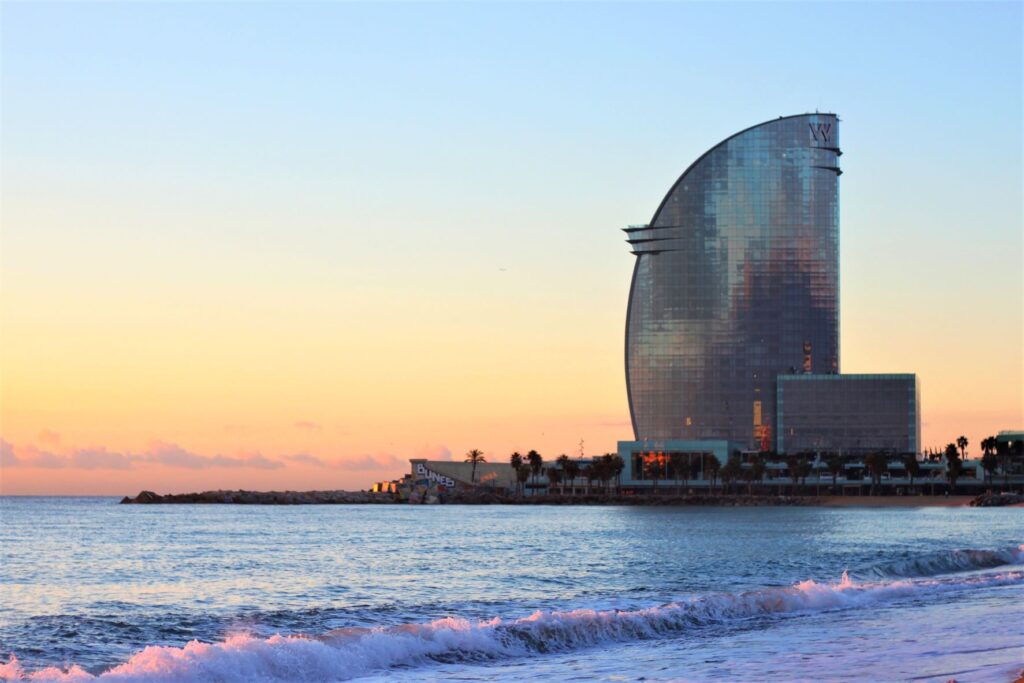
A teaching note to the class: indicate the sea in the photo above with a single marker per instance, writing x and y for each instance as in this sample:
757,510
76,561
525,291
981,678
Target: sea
90,589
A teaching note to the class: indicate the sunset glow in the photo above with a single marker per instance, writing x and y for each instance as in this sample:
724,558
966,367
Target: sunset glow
208,284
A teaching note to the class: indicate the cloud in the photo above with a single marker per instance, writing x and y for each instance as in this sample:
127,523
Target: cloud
305,459
308,425
158,452
7,456
256,460
173,455
30,456
438,452
374,462
99,459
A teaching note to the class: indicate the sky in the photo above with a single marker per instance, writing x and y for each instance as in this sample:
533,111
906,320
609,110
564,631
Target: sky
285,245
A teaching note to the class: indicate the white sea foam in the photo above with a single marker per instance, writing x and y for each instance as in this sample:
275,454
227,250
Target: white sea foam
347,653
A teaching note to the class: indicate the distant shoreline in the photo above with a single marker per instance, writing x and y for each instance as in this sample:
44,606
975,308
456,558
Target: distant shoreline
240,497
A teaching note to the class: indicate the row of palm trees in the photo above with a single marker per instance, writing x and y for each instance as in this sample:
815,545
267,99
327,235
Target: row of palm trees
995,455
528,468
875,463
800,466
604,469
684,466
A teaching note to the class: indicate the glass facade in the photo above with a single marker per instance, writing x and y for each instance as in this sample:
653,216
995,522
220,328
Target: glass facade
736,281
647,461
848,413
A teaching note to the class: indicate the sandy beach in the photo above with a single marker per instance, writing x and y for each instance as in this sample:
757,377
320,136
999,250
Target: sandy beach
895,501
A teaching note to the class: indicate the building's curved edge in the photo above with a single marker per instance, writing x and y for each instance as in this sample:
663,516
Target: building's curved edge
712,149
657,212
629,313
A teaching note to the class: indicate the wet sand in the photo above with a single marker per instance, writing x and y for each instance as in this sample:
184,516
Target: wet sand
895,501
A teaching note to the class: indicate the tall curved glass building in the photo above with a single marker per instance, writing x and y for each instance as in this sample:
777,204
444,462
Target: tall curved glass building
736,282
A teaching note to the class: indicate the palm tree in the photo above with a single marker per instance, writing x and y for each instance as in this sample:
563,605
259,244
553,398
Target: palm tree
475,456
554,477
676,460
697,467
878,465
989,459
1003,455
835,467
562,461
961,443
912,466
653,469
803,468
536,464
607,470
731,470
616,466
711,468
953,466
989,464
516,461
522,474
793,464
755,473
572,470
592,473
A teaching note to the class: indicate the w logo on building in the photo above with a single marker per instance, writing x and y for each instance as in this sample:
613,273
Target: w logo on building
821,132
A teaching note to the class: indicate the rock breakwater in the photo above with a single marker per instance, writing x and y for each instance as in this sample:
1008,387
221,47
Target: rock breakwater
261,498
988,500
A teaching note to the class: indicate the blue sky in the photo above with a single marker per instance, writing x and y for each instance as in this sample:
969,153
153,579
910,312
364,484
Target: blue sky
453,177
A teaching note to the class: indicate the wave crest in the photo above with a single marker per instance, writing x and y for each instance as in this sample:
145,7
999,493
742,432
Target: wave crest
351,652
944,562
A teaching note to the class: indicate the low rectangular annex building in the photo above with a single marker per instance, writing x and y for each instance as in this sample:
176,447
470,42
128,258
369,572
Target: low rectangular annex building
848,413
648,461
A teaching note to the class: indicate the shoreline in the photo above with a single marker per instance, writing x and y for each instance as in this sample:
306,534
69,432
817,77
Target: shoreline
896,501
242,497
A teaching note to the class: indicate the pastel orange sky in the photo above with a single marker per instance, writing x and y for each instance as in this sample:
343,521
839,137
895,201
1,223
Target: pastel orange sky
239,258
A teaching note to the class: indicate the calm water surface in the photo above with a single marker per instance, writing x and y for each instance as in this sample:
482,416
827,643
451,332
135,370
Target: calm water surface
331,593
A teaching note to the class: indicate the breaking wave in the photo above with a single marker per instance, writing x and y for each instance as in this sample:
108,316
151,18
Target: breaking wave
944,562
351,652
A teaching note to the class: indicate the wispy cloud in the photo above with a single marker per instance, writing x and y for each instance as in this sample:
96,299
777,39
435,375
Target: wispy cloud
305,459
7,456
100,458
168,454
173,455
30,456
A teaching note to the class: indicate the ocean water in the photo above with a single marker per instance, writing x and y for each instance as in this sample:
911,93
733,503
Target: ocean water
89,588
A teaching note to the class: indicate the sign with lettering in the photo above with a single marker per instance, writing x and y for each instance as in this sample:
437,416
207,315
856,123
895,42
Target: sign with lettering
430,475
821,132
